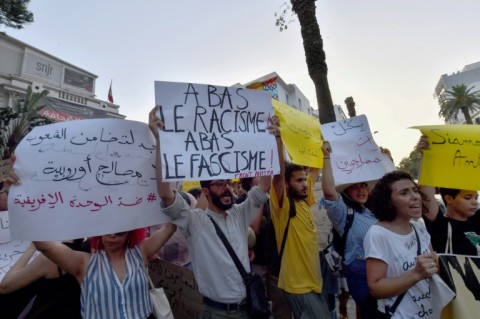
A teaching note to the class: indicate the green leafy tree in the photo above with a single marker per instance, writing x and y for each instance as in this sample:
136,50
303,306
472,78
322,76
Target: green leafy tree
411,164
16,122
460,99
314,53
14,13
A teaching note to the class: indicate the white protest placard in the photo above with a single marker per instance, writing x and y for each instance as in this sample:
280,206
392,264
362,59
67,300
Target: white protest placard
214,132
10,250
355,155
84,178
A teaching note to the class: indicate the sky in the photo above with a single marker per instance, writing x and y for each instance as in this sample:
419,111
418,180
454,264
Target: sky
388,55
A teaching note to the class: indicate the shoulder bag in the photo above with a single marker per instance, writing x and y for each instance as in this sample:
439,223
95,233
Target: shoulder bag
161,306
257,303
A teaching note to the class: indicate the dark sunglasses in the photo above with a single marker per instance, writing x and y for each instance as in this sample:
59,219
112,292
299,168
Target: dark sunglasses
120,233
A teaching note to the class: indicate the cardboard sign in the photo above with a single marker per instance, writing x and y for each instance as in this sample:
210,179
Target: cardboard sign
462,275
300,134
84,178
453,160
355,155
180,287
214,132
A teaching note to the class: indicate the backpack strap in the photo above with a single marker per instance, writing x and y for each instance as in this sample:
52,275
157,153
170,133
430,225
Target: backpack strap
291,213
348,225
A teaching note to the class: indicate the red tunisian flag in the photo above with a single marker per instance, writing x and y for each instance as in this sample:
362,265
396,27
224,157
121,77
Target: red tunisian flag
110,95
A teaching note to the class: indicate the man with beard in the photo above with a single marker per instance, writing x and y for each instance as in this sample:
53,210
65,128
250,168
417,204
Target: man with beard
300,277
219,281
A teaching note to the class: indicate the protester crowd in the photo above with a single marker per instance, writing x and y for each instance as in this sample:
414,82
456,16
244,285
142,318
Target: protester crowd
269,224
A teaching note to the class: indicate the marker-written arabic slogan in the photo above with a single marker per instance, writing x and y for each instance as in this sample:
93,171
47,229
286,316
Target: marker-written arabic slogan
300,134
355,157
81,174
214,132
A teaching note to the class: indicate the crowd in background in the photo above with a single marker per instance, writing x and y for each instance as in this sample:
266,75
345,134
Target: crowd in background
386,224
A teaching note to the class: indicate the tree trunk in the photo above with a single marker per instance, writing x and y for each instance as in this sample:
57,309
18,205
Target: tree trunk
350,103
468,118
315,56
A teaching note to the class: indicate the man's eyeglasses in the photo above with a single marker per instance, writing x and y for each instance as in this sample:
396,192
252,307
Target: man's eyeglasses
221,183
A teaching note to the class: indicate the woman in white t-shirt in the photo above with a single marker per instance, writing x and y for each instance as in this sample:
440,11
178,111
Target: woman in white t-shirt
391,247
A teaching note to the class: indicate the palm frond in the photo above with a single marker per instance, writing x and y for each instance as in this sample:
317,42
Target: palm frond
23,117
458,99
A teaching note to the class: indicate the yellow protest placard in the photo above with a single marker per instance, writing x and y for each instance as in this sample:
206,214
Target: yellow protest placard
188,185
453,160
300,134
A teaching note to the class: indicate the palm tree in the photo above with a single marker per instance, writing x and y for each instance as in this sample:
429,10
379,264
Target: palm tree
460,99
350,103
19,120
314,53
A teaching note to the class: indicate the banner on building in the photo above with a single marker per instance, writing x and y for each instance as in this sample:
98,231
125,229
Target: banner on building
269,85
61,111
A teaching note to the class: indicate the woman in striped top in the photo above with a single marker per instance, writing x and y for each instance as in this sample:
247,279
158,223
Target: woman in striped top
112,278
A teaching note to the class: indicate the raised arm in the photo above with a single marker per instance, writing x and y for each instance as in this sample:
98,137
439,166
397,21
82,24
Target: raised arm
73,262
151,245
165,190
328,182
23,273
278,180
428,191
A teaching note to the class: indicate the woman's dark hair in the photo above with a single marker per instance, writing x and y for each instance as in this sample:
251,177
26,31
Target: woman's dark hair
381,196
196,192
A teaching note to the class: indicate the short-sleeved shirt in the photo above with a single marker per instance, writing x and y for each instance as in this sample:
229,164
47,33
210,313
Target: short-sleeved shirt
399,252
337,212
465,234
215,272
300,267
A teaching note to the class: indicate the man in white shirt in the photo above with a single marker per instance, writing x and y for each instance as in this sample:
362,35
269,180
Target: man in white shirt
218,278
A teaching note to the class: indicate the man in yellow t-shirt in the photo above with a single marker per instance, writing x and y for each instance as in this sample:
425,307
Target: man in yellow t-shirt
300,277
